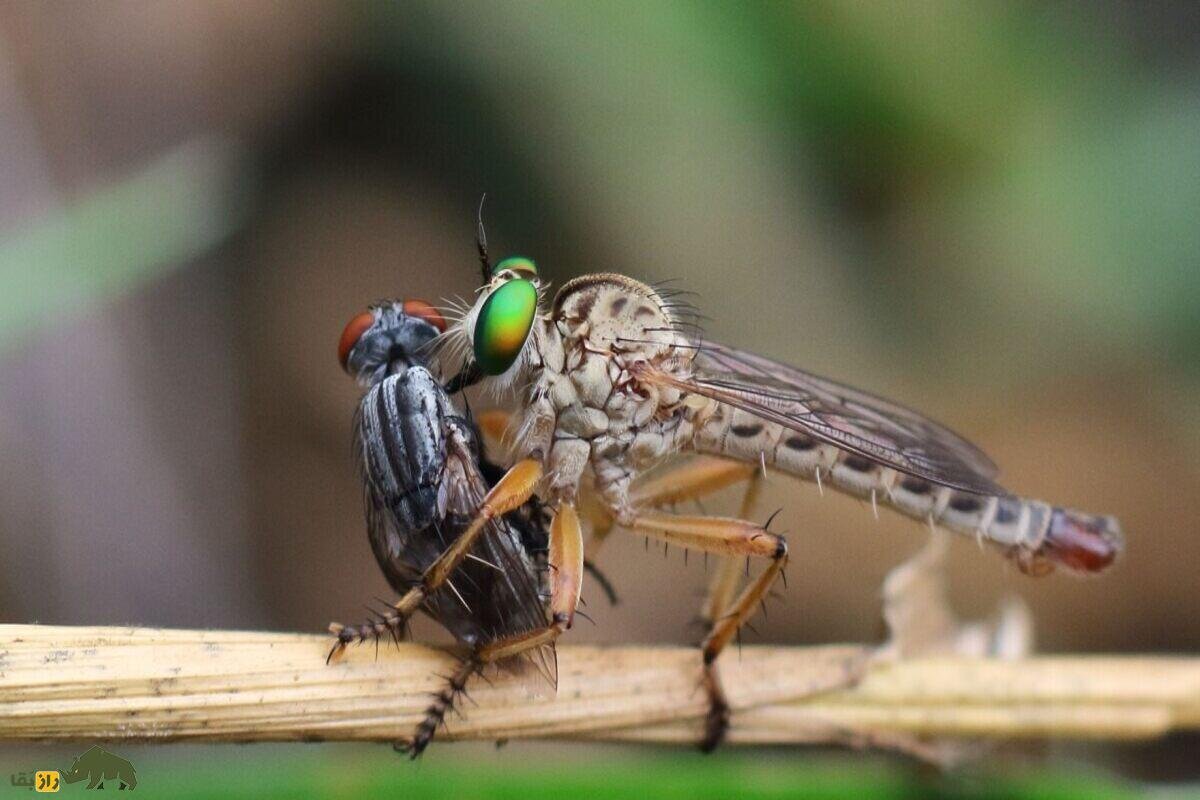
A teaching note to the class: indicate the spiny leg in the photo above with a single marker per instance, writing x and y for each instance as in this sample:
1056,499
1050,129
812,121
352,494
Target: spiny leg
695,478
729,537
698,478
443,702
724,584
566,579
509,494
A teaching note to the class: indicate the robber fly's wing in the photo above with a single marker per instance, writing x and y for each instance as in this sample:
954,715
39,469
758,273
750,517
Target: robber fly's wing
515,605
848,418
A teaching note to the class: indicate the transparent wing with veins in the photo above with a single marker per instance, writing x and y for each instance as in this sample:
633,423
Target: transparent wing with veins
513,603
853,420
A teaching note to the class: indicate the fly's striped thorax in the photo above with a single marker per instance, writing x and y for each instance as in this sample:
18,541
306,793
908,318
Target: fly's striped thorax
1035,534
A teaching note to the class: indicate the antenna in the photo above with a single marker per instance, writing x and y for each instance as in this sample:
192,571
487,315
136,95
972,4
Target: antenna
481,242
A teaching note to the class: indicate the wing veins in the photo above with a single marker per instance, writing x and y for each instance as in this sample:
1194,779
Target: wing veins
846,419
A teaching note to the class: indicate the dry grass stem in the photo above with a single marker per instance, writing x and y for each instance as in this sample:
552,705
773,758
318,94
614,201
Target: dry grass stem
147,684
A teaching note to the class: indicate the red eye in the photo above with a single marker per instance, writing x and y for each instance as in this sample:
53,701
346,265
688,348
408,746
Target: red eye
353,331
419,308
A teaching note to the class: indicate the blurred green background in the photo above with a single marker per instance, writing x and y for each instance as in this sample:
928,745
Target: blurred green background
986,210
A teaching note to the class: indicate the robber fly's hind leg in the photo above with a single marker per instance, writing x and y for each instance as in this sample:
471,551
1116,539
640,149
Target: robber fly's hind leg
566,579
737,539
509,493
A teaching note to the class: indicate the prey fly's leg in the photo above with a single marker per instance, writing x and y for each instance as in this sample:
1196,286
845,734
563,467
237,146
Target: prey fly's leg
566,579
509,494
728,537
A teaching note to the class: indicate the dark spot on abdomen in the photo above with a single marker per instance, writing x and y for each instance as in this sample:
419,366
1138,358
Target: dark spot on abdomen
644,311
746,431
800,443
916,485
1006,512
965,503
617,305
858,463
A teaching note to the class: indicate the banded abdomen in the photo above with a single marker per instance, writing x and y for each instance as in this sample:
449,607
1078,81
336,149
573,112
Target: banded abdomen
1036,535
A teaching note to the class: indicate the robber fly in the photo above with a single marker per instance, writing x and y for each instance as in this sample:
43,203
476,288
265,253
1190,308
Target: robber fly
425,482
613,380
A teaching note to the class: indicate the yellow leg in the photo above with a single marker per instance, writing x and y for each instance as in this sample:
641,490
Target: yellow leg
728,537
600,522
693,479
509,494
725,581
566,566
496,427
697,477
566,579
721,535
726,627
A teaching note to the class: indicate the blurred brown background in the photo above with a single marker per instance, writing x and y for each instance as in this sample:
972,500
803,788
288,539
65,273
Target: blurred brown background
987,211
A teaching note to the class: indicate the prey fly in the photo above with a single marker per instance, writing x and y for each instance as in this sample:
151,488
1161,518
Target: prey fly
448,547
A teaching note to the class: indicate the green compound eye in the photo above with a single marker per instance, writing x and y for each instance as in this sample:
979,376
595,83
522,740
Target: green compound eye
503,325
519,264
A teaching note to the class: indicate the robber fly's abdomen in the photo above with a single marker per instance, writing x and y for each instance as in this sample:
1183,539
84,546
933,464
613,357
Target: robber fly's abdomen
1036,535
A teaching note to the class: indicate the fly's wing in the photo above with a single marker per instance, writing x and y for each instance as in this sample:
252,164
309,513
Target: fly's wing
492,594
423,486
848,418
507,574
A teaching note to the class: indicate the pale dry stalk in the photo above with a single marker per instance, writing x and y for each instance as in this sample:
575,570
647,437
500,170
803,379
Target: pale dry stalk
146,684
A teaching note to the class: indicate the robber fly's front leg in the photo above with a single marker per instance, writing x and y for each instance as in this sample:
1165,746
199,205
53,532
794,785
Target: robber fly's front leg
496,425
509,494
566,578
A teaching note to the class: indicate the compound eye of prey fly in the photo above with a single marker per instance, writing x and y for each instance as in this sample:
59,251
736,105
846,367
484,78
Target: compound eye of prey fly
520,266
353,331
419,308
503,325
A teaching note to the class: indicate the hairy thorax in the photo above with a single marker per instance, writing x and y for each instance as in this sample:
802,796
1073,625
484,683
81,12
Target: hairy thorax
585,405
